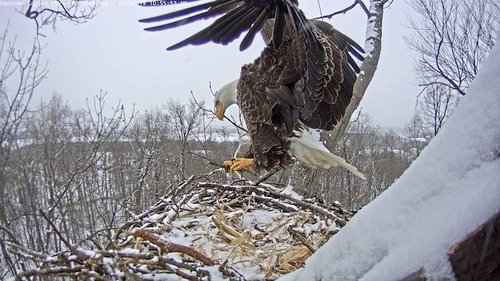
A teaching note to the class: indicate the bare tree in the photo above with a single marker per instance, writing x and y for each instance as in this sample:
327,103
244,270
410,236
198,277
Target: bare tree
150,140
20,73
185,120
453,39
48,13
417,134
61,173
436,106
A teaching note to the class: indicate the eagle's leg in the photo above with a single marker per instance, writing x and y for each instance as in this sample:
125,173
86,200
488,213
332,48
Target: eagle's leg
238,164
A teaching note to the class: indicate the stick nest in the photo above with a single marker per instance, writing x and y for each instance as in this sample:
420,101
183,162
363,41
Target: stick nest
205,231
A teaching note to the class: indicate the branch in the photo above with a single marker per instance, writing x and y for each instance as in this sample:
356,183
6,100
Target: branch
75,11
441,72
373,46
62,271
234,124
345,10
266,196
52,224
168,246
301,238
267,175
210,161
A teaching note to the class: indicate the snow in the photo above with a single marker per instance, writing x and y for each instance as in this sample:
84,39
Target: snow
50,259
130,251
451,189
85,252
290,192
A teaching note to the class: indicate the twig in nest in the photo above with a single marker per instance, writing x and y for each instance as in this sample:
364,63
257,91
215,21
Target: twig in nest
264,195
207,175
309,206
168,246
210,161
267,175
301,238
62,271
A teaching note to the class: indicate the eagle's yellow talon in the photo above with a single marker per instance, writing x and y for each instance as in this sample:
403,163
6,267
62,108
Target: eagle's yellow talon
239,164
228,163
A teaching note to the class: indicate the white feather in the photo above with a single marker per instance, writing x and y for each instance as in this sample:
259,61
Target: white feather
314,154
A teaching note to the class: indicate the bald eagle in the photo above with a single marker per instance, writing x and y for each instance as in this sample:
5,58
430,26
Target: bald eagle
304,77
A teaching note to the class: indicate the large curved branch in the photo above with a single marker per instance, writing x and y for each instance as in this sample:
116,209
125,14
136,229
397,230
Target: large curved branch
373,46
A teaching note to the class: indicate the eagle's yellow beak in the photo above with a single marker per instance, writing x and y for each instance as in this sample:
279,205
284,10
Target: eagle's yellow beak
219,112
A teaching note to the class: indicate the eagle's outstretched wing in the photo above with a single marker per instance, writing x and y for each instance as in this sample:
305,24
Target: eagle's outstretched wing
238,16
235,17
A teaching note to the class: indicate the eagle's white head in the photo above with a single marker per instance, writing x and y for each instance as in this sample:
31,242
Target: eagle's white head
225,97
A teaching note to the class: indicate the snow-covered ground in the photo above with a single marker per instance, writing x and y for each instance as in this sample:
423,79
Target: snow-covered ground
451,189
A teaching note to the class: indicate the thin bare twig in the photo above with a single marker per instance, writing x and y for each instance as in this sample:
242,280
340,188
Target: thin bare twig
347,9
55,228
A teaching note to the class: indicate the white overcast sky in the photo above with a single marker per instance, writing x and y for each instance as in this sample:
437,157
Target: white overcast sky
112,53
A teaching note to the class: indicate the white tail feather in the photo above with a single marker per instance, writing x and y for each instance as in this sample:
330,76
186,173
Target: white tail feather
314,154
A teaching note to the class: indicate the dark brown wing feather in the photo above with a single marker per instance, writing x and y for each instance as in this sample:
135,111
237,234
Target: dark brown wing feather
340,76
238,16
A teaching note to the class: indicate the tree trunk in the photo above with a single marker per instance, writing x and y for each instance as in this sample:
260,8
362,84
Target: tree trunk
373,46
304,177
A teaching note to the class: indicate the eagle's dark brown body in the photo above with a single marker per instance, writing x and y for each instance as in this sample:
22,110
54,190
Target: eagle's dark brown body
272,95
305,73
